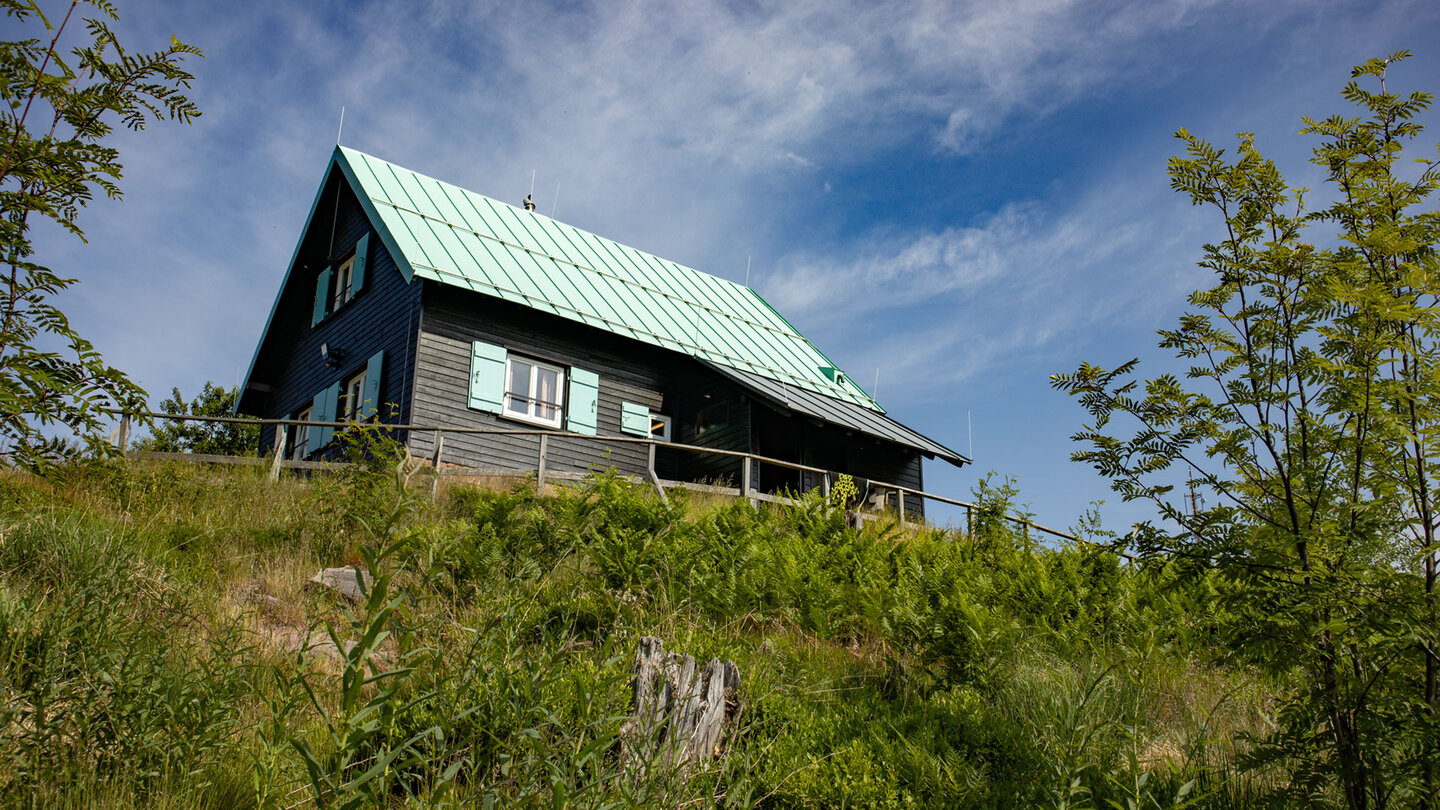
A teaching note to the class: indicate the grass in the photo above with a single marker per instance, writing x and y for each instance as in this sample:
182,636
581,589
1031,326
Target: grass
161,649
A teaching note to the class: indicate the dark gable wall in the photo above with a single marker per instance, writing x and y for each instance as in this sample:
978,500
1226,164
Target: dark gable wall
382,316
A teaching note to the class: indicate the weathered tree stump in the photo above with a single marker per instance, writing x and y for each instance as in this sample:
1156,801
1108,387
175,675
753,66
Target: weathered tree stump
683,714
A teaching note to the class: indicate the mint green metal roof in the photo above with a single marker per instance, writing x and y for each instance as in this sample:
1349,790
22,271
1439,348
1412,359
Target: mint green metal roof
446,234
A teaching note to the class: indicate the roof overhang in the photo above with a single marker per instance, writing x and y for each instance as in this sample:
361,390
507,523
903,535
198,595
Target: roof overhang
839,412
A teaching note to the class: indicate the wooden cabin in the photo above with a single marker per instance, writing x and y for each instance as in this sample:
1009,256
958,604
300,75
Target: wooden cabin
412,301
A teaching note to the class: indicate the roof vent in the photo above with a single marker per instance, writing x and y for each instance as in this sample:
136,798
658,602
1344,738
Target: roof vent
833,374
529,203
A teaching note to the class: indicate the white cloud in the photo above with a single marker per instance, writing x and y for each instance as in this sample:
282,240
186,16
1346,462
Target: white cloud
685,129
933,309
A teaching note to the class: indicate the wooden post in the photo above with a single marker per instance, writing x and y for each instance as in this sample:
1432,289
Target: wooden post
650,463
900,496
280,431
122,433
825,484
745,480
435,463
540,467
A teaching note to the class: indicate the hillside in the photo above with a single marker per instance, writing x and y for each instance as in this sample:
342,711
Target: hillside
160,649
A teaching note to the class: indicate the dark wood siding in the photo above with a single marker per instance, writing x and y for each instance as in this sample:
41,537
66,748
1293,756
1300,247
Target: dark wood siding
875,460
708,411
787,435
453,319
381,317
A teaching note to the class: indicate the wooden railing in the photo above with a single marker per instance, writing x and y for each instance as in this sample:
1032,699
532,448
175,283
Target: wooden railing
746,489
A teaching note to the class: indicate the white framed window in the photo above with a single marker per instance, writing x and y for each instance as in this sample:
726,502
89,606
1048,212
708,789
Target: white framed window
659,427
300,447
344,284
352,406
534,391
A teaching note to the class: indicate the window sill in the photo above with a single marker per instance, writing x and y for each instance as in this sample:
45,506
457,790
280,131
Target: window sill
531,421
330,316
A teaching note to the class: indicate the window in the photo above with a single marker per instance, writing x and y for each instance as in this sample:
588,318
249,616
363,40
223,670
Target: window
335,286
344,284
659,427
354,399
714,416
533,391
300,447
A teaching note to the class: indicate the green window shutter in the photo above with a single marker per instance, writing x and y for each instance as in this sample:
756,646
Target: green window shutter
487,376
634,419
317,414
322,297
584,409
362,258
373,371
326,409
322,409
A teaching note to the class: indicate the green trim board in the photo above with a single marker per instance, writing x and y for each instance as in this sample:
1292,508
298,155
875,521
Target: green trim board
459,238
285,282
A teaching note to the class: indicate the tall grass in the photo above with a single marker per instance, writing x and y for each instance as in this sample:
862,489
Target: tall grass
158,648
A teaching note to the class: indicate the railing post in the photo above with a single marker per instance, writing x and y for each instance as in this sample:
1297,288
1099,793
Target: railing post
655,477
825,485
900,497
122,433
435,463
540,467
745,478
280,431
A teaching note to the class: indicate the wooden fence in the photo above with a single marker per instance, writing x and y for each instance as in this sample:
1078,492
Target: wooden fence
748,463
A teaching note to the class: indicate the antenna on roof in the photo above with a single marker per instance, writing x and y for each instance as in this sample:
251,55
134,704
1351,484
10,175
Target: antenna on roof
875,389
557,200
341,128
747,271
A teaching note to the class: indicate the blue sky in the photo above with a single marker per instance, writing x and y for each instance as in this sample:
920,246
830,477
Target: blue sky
964,196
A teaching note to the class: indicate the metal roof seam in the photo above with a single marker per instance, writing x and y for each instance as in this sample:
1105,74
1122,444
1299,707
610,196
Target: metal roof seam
713,310
726,321
532,300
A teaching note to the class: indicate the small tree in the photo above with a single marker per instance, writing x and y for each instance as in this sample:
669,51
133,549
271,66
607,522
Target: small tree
1309,415
218,438
57,111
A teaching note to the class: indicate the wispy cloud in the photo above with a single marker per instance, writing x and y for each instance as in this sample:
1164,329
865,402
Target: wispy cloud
673,127
933,309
